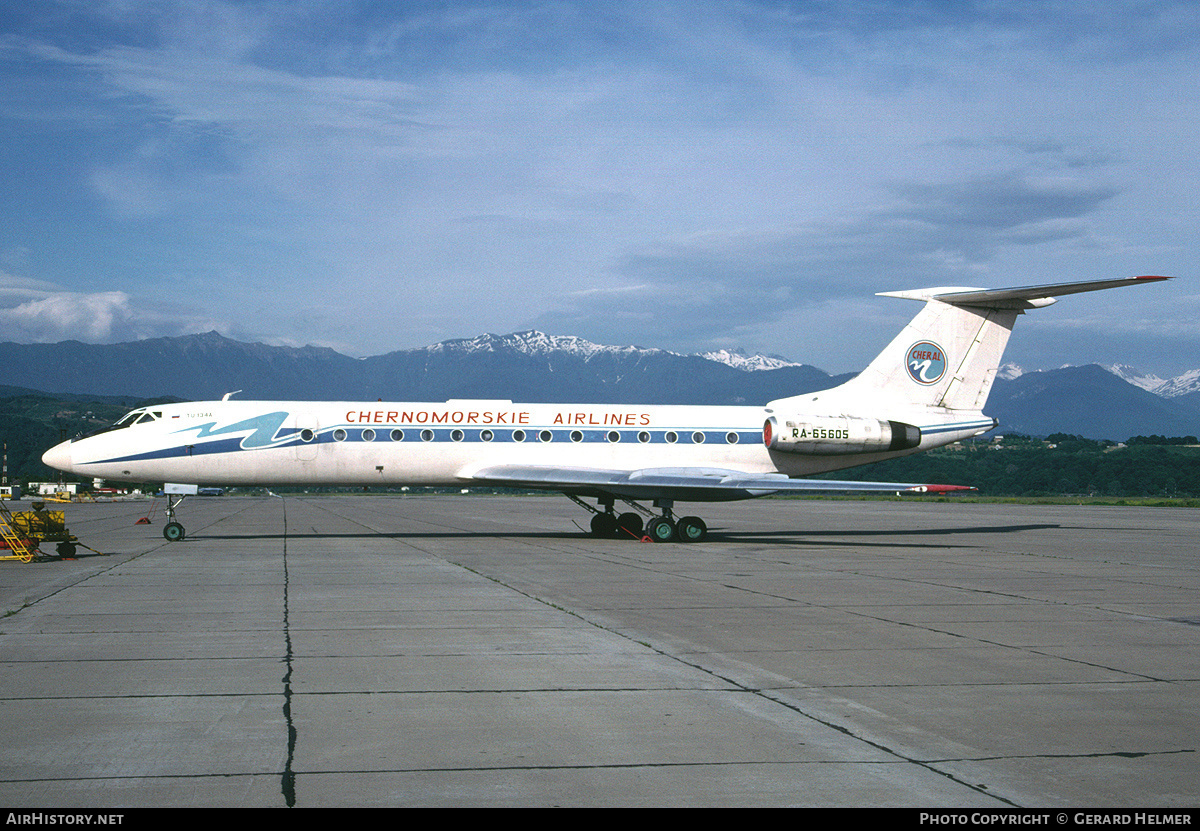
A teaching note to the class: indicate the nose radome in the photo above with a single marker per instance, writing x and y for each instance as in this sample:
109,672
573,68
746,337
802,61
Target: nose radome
58,457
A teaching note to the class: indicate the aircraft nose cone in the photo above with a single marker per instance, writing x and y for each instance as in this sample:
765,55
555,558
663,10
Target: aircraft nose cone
58,457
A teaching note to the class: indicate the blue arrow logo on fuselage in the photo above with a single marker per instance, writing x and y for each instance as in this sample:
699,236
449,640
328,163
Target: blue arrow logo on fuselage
265,428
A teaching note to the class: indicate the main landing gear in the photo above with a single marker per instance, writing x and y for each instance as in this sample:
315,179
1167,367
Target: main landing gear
661,528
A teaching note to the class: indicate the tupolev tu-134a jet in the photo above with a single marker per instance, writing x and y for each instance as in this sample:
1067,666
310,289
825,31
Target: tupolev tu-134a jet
926,389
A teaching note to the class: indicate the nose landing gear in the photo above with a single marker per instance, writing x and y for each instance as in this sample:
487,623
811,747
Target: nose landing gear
173,531
175,493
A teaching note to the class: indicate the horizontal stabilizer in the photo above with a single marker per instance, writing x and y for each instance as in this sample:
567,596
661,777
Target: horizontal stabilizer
1024,297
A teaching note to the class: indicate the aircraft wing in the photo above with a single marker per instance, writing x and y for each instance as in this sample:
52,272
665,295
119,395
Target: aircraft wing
689,484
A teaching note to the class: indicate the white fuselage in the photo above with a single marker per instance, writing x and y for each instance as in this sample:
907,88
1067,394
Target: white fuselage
380,443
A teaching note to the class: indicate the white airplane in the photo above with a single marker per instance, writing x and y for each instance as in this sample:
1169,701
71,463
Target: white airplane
925,390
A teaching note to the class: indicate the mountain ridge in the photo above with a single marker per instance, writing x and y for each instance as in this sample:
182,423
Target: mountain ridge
533,366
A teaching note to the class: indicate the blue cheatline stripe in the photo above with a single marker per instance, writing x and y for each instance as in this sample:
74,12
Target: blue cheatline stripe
475,435
455,435
533,435
958,427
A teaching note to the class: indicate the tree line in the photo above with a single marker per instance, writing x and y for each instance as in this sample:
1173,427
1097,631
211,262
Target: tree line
1061,465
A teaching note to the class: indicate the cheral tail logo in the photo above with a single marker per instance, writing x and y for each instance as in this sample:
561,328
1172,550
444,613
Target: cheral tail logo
926,362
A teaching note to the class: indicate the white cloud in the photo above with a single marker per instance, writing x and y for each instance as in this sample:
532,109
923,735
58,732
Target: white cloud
38,312
68,316
15,289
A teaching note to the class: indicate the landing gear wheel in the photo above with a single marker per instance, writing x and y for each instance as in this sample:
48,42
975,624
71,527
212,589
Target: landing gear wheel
691,529
660,529
630,524
603,525
173,531
66,550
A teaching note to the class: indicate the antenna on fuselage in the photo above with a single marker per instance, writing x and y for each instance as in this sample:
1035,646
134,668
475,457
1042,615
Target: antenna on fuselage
229,395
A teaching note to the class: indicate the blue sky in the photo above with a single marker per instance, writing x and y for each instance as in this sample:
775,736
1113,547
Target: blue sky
685,175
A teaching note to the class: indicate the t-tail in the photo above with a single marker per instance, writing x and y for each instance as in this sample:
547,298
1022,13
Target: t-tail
947,357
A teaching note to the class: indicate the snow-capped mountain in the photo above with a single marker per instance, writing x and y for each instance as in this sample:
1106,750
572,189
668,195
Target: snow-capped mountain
738,359
528,366
1009,372
1185,384
1181,385
537,343
1150,383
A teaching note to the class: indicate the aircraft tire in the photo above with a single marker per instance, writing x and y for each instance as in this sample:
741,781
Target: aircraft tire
630,524
661,529
604,525
173,532
691,529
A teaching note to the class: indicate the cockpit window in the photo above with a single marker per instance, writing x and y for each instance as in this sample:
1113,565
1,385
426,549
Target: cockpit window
122,422
128,420
135,417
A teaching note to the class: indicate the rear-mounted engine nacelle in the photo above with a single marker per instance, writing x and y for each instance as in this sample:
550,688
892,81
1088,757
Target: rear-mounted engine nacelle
835,435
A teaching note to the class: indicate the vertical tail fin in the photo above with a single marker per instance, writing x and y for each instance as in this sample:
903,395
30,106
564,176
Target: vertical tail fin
948,355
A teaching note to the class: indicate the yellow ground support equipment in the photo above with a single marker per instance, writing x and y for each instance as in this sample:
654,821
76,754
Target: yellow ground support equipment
18,542
22,532
67,496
